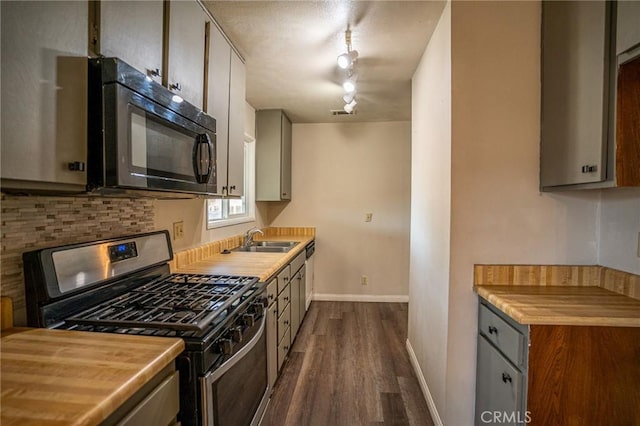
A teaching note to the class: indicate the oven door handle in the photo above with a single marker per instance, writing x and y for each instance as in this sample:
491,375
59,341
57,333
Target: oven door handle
212,376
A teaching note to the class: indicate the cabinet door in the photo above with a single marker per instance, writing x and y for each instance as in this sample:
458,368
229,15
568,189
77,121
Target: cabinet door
295,304
575,49
218,100
44,91
132,31
272,344
627,25
187,23
236,126
285,168
498,387
303,292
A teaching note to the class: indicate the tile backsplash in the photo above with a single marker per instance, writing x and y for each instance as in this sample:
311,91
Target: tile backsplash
34,222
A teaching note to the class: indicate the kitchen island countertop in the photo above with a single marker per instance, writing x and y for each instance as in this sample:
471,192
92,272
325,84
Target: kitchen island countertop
75,377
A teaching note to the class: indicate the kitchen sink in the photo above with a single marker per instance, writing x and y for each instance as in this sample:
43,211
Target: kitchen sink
268,247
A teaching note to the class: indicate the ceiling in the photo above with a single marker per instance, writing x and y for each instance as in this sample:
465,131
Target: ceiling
290,49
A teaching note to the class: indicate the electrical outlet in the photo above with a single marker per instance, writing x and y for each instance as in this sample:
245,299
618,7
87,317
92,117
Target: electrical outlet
368,217
178,230
364,280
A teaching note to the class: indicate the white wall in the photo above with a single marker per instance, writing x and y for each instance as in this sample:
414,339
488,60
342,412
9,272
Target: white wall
497,212
340,172
192,212
619,229
431,209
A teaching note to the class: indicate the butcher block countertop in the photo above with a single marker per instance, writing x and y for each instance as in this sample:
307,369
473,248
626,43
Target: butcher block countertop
73,377
262,265
561,295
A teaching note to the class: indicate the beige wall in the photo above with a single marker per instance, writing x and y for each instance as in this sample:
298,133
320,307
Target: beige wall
497,213
340,172
431,209
192,212
619,229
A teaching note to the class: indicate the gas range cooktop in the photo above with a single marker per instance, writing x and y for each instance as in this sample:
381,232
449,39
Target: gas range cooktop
181,302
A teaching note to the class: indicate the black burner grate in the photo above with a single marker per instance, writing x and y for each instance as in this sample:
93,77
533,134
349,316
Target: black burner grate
185,302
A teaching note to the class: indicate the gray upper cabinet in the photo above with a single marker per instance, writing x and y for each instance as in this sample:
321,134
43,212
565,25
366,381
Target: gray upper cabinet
187,21
44,91
273,155
132,31
627,25
576,59
225,102
235,179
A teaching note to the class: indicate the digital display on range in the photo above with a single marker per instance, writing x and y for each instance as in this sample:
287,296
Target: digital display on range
122,251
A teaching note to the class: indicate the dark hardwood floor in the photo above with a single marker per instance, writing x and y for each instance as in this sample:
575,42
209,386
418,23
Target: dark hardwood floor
349,366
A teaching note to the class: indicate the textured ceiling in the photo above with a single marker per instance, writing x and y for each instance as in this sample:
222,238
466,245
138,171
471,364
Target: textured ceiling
290,48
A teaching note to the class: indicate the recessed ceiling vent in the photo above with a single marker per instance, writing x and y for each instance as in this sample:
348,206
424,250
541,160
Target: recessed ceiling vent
341,112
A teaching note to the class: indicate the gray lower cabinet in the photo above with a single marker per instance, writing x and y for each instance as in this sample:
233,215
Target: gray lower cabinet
501,370
273,155
285,295
44,91
157,403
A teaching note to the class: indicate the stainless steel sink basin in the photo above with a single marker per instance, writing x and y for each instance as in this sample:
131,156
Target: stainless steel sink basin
274,243
268,247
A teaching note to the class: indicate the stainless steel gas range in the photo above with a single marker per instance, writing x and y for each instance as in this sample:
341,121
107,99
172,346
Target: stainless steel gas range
124,285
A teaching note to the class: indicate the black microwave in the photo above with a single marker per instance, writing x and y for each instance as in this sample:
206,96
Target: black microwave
143,137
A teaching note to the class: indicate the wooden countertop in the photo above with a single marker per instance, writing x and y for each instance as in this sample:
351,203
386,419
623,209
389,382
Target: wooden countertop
263,265
563,305
73,377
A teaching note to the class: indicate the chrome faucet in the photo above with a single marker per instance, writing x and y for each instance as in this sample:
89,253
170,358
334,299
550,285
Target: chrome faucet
248,236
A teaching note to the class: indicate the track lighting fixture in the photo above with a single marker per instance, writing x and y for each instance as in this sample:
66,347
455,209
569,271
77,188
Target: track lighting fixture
347,61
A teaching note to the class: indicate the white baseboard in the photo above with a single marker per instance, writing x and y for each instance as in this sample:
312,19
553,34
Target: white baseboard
423,385
360,298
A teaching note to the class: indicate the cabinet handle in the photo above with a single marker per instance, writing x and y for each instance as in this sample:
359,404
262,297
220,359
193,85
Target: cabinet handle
153,73
284,194
232,188
506,378
493,330
286,299
287,323
175,87
286,348
77,166
270,296
589,168
286,279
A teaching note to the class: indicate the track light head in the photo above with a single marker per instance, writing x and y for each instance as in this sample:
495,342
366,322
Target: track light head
346,60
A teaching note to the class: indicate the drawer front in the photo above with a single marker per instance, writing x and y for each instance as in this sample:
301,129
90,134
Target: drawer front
297,263
509,340
272,291
283,324
499,387
283,278
283,348
283,299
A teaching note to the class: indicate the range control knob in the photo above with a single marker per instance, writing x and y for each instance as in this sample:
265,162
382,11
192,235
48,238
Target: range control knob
258,308
236,334
248,319
225,346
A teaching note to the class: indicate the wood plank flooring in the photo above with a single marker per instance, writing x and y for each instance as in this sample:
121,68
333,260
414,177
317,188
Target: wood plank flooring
349,366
